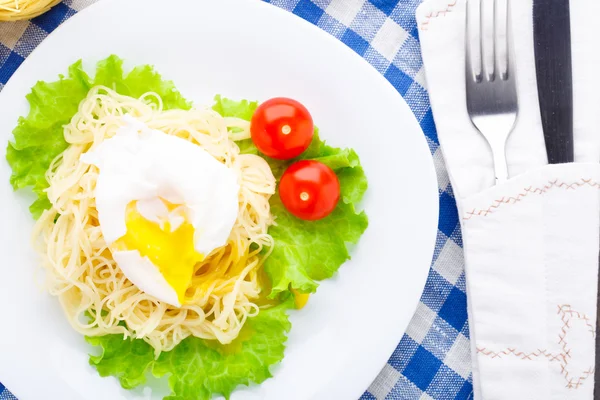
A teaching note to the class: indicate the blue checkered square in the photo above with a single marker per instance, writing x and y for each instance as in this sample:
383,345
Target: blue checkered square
367,396
10,66
51,20
415,369
428,127
465,393
308,10
454,309
422,368
399,79
385,6
355,42
448,214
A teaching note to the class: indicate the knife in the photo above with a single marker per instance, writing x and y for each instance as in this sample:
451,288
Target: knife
552,45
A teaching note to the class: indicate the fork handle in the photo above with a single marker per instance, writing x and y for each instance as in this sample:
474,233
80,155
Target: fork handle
500,166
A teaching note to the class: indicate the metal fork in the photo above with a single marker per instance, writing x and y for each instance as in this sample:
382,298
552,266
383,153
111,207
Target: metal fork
490,75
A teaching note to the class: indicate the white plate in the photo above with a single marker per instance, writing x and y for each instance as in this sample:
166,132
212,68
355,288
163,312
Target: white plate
242,49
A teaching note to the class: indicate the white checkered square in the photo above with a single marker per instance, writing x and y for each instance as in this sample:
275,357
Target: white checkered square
425,396
322,4
385,382
368,22
420,78
440,169
389,39
31,38
379,62
11,32
4,53
459,357
433,147
332,26
286,4
417,97
420,323
344,10
408,59
79,5
449,263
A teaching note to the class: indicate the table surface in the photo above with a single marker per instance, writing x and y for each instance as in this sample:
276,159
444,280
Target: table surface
432,360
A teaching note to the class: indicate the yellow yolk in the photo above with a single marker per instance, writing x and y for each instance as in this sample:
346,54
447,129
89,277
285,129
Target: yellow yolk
300,299
172,252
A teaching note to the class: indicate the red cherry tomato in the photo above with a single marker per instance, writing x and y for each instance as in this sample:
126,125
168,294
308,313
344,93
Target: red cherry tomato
281,128
309,189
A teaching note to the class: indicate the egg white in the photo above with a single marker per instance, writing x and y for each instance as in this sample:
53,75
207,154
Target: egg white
145,165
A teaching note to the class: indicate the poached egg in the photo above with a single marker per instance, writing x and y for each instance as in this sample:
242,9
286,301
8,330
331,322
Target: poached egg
164,204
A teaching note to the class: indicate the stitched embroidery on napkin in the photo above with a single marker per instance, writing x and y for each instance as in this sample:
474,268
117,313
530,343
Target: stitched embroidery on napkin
526,192
563,358
434,14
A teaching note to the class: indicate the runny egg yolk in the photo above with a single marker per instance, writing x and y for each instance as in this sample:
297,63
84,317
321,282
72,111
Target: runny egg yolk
169,248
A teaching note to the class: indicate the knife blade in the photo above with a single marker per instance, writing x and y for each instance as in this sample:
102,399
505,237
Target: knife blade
552,46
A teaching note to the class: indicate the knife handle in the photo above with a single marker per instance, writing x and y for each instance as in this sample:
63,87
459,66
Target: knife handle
552,45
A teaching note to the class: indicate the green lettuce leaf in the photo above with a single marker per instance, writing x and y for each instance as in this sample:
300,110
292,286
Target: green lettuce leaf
308,251
38,137
197,369
126,359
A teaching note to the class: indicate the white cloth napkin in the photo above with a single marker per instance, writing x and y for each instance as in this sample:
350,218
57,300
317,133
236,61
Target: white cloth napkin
532,243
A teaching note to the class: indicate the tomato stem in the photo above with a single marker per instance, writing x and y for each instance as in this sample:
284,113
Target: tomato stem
304,196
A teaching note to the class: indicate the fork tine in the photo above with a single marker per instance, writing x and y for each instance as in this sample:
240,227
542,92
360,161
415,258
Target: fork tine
502,38
487,27
473,41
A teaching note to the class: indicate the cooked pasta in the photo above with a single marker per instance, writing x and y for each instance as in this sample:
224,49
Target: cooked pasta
14,10
94,293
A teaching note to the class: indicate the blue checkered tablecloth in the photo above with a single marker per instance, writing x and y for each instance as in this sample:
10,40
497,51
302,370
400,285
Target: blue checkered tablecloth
432,360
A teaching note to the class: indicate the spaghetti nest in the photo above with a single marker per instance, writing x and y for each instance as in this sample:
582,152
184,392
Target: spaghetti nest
14,10
94,293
